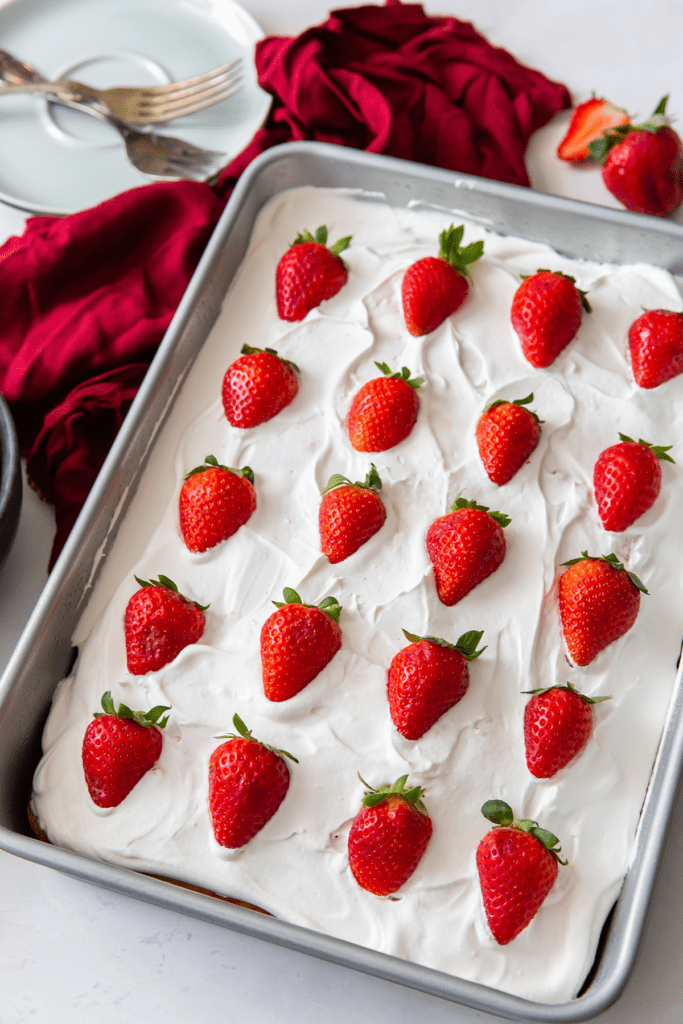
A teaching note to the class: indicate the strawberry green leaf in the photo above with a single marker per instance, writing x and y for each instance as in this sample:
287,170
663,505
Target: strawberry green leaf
466,645
290,596
398,788
336,480
331,607
321,234
498,812
245,734
452,252
658,449
572,689
211,462
249,350
340,245
501,518
403,375
550,842
372,481
146,718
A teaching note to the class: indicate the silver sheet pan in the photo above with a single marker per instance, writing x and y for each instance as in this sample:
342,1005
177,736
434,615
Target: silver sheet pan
44,653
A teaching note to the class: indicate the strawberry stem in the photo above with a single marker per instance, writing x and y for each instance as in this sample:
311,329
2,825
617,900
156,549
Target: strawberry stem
329,605
146,718
659,450
211,462
572,689
403,375
452,252
246,735
516,401
466,644
249,350
372,481
500,813
501,518
614,562
398,788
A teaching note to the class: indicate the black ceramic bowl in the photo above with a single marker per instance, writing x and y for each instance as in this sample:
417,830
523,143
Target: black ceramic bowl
10,481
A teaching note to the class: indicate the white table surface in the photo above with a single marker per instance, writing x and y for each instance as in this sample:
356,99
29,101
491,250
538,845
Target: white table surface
72,952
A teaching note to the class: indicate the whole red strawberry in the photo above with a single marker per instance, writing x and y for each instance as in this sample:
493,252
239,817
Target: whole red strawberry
350,514
558,723
435,286
627,479
546,314
309,273
427,678
297,641
599,602
589,121
214,502
465,546
383,411
119,747
517,864
642,164
248,780
388,837
655,341
257,386
507,434
158,623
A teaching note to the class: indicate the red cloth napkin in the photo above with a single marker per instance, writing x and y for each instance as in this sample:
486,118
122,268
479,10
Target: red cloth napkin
87,298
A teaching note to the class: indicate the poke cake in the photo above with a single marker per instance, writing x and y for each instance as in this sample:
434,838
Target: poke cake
335,713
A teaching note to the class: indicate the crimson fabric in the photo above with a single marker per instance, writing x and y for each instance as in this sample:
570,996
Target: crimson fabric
87,298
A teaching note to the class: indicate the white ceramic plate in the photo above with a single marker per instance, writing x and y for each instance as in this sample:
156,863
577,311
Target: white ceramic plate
56,160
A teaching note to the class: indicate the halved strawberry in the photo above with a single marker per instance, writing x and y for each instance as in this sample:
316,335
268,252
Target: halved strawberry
589,121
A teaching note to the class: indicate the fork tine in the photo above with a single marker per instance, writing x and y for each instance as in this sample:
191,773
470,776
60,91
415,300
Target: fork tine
169,111
188,91
198,80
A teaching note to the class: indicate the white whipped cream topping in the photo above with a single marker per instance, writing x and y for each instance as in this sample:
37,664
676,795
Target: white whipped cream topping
297,866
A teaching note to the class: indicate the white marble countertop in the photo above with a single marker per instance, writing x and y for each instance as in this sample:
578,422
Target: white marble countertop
72,952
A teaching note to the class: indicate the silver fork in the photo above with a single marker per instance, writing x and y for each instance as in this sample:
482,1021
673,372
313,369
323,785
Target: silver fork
139,105
158,155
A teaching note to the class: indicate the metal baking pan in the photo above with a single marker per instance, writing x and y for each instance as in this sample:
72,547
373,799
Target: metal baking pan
44,652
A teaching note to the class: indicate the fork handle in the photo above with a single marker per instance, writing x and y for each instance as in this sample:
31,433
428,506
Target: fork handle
15,72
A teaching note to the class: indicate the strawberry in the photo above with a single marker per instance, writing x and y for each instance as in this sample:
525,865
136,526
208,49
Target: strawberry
214,502
119,747
383,411
388,837
558,722
248,780
599,602
465,546
350,514
507,434
309,273
589,121
546,314
297,641
627,479
158,623
655,341
435,286
517,864
257,386
427,678
642,164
